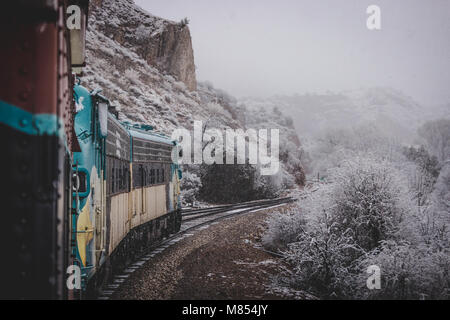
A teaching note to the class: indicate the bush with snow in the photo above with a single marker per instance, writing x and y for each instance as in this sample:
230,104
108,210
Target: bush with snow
370,199
364,216
323,259
436,135
132,76
231,183
435,223
408,271
190,186
284,228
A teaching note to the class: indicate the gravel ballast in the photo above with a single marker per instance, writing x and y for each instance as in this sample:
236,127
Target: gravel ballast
222,261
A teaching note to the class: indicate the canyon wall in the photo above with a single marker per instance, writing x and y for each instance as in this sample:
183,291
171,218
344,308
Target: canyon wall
164,44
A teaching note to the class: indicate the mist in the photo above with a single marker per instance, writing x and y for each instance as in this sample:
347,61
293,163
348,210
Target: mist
263,48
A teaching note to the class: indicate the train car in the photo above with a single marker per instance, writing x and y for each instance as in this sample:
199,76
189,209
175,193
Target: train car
127,190
36,140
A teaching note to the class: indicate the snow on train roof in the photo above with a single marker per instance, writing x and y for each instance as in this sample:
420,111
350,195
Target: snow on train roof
141,134
136,133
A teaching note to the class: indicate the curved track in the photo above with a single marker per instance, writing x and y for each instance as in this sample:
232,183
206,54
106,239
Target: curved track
192,220
189,215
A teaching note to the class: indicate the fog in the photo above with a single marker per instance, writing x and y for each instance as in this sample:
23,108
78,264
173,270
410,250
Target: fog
263,47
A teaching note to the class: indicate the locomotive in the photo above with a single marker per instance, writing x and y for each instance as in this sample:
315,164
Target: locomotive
79,187
127,191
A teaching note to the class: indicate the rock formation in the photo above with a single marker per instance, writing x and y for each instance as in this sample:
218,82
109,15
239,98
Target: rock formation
164,44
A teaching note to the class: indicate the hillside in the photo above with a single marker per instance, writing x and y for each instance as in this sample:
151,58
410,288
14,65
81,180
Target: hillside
394,112
163,44
145,66
147,78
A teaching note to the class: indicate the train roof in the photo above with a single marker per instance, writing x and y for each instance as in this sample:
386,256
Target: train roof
151,136
146,132
140,131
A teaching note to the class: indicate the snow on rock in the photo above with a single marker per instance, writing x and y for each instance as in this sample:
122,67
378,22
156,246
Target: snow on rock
163,44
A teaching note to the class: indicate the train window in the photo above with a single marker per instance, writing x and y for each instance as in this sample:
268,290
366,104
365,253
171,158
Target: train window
138,175
149,175
121,179
128,180
81,182
144,176
117,182
152,176
135,176
118,178
125,178
112,180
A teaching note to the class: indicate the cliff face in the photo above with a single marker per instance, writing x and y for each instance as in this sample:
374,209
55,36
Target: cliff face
164,44
175,54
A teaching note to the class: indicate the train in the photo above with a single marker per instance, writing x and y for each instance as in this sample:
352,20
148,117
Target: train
82,193
127,188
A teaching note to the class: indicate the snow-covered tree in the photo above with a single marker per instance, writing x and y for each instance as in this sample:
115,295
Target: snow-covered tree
184,22
437,137
190,186
370,199
364,216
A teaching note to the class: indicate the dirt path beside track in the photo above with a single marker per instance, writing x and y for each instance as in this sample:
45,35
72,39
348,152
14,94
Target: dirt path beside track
220,262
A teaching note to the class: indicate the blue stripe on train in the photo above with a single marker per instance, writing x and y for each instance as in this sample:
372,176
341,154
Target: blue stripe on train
32,124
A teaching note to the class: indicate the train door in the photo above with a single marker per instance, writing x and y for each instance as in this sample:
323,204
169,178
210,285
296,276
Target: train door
100,188
130,199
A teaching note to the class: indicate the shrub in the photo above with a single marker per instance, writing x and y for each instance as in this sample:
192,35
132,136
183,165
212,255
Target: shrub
370,199
423,160
230,183
283,229
407,272
322,259
437,137
435,223
365,216
190,186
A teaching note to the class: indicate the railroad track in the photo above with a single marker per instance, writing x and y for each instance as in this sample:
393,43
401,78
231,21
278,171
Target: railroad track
189,215
192,220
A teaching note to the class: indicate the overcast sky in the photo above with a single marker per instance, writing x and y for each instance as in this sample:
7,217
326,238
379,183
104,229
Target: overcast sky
266,47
